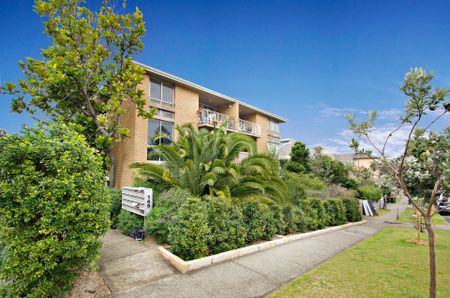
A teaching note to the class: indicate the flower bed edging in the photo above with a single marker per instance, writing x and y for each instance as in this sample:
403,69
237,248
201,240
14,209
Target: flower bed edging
186,266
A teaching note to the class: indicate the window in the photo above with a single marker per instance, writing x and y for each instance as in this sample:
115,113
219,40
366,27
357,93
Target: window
162,91
274,126
272,147
164,113
156,127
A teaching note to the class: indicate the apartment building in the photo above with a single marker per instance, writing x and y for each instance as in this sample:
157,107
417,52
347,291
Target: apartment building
177,102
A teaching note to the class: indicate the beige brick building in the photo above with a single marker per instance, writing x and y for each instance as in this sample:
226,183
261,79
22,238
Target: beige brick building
178,102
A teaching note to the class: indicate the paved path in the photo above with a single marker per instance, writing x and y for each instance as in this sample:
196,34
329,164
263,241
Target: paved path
135,269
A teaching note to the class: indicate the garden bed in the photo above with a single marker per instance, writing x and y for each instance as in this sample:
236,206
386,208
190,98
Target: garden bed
186,266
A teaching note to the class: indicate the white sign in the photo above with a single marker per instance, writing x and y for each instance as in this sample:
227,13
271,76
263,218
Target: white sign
138,200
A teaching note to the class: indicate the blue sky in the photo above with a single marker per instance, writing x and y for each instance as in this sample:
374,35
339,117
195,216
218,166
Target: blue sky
308,61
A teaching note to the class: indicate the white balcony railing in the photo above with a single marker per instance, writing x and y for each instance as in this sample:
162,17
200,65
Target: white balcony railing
208,117
249,127
214,118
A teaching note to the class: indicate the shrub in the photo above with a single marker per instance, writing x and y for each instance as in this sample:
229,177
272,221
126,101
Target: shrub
350,183
255,219
128,220
294,219
54,206
352,209
115,207
336,212
226,225
190,232
277,217
322,215
295,190
164,213
369,192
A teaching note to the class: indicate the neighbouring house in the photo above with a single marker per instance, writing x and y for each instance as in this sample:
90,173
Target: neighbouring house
177,102
285,148
359,162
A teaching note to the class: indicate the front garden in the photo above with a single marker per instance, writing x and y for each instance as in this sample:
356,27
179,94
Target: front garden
206,203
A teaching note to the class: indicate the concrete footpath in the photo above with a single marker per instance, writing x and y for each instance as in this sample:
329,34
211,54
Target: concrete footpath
135,269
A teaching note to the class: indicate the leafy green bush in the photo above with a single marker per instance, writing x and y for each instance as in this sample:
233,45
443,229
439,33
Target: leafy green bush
226,225
369,192
54,206
255,215
190,232
294,219
295,191
352,209
164,213
127,221
322,216
277,219
336,212
115,207
350,183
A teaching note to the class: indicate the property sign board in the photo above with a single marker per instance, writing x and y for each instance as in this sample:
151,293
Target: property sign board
138,200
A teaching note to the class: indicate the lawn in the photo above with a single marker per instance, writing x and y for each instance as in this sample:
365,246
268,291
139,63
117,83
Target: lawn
406,216
385,265
383,211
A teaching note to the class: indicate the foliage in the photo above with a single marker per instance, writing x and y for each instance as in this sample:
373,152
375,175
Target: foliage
164,213
190,232
87,72
336,212
322,218
226,225
115,207
329,170
128,220
204,163
350,183
294,219
54,206
299,161
369,192
332,191
277,219
352,211
256,217
295,188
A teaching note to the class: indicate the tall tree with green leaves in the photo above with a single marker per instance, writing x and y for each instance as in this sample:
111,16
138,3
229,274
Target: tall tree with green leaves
87,72
422,171
299,162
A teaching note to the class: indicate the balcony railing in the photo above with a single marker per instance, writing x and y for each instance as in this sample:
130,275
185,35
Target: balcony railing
249,127
212,118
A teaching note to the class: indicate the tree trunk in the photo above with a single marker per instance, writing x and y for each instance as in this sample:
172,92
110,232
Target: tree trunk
111,169
432,256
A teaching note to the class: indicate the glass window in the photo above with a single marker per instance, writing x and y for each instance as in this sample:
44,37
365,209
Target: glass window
168,93
155,127
155,89
274,126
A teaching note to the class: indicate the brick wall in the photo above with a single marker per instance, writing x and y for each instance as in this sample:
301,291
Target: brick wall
186,107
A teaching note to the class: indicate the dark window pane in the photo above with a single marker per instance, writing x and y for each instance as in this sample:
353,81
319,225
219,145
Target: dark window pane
155,89
166,128
153,129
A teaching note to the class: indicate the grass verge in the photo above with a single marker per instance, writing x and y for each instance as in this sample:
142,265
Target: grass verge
385,265
406,216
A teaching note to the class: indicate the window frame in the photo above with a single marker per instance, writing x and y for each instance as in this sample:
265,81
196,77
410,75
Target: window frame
160,122
162,84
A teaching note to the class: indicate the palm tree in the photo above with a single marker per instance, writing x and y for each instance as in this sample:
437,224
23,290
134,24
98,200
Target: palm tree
205,163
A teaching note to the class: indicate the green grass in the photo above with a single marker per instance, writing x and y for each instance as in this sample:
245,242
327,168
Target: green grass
383,211
385,265
406,216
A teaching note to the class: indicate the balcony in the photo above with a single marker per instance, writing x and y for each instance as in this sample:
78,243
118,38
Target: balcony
215,119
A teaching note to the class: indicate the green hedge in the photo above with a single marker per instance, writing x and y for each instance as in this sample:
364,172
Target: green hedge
189,234
115,207
369,192
352,211
212,225
54,206
127,221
